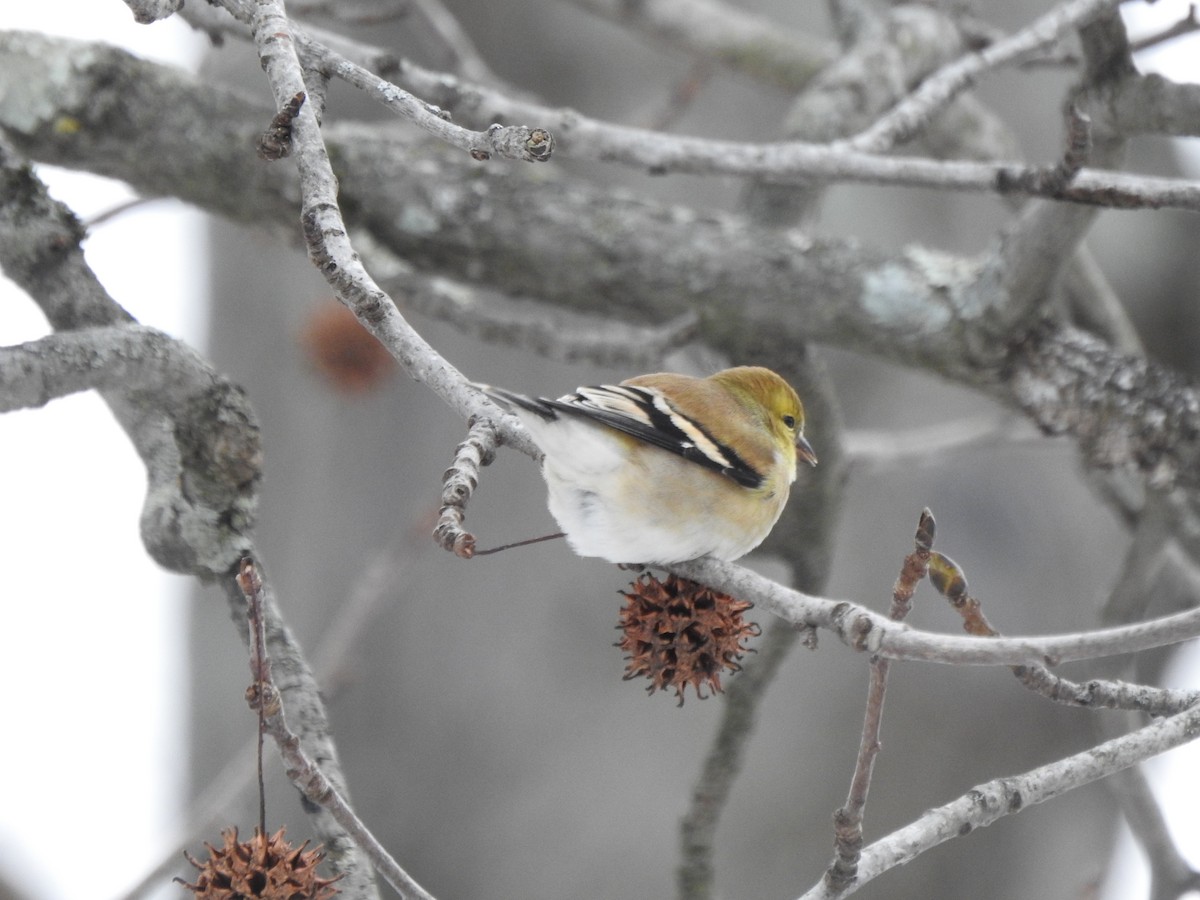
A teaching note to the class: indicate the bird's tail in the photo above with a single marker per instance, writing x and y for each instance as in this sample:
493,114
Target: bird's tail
539,406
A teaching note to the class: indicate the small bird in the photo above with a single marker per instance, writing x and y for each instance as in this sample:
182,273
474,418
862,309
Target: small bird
663,468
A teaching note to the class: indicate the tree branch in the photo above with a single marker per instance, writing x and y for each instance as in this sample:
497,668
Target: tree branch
993,800
733,37
197,436
325,231
870,632
315,772
919,307
133,358
848,819
660,153
1034,249
911,115
192,428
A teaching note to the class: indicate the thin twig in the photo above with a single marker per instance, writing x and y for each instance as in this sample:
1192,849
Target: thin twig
517,142
948,579
306,775
260,672
1105,693
736,38
252,587
294,681
1187,25
116,210
863,629
524,543
380,582
987,803
914,113
468,60
325,230
848,820
459,483
583,137
529,144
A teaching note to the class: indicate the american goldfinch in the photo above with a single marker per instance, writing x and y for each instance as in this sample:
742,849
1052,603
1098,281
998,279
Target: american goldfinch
663,468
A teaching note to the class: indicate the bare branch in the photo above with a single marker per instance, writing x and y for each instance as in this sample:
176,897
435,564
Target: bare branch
867,631
993,800
517,142
1076,385
759,47
888,53
1103,694
662,153
894,52
382,581
323,788
848,819
129,357
325,231
512,142
195,432
469,61
910,116
918,307
204,470
1187,25
193,429
459,483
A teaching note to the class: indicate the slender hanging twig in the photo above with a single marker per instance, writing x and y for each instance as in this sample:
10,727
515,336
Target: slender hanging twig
251,584
848,832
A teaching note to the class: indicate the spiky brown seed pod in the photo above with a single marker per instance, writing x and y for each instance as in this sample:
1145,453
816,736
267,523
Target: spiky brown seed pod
679,632
262,868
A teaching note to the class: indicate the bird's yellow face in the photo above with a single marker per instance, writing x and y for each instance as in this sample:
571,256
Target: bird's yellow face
782,409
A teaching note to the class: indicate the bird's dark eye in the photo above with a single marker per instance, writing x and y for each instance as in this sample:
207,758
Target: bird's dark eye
789,421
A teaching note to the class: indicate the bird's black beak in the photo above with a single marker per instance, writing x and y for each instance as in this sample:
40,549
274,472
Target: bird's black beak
804,450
